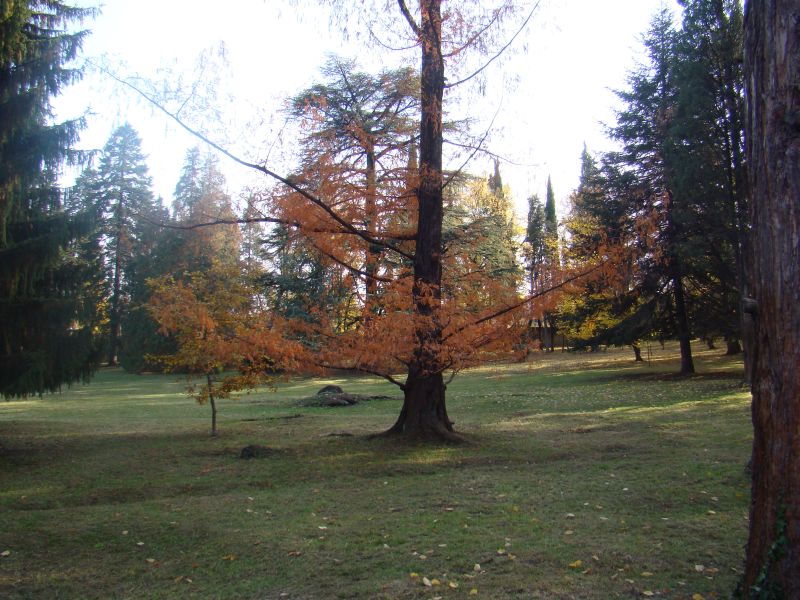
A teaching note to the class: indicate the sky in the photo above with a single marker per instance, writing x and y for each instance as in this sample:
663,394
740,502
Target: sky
543,101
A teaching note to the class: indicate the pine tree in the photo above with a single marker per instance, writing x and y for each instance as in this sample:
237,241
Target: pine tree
47,309
120,188
180,250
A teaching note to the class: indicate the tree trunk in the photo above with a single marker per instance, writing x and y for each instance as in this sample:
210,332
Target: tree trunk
637,352
733,347
372,253
424,413
115,317
772,65
213,404
682,320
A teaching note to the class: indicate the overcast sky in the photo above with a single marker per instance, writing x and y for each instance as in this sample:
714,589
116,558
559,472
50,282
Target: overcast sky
550,97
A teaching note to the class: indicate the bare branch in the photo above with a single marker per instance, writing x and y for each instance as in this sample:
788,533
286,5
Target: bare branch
505,159
407,14
526,300
262,169
476,149
499,53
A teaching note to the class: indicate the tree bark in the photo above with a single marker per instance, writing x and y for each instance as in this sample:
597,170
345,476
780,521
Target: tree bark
682,320
213,404
732,347
772,75
372,253
424,413
637,352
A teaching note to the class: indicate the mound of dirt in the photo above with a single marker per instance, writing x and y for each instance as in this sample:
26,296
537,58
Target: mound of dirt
255,451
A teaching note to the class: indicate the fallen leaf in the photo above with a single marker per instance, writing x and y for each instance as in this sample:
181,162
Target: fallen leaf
5,553
568,532
435,582
699,568
647,593
570,516
229,557
698,597
140,543
473,592
476,567
646,574
293,553
151,560
125,532
576,564
414,575
453,585
426,582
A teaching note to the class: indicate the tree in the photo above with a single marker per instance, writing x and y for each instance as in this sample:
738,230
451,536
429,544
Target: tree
772,62
419,330
210,315
708,151
47,298
120,189
180,250
358,129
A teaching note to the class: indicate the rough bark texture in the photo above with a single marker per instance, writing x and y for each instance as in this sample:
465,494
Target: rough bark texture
772,76
424,413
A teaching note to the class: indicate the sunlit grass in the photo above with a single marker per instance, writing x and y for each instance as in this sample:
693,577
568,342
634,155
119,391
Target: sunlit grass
650,466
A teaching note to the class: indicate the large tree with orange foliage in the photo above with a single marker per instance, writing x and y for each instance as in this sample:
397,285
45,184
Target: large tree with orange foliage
418,328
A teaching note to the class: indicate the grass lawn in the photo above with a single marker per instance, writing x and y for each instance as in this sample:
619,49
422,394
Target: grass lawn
587,476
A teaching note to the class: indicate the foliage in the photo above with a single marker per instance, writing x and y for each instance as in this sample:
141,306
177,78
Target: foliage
669,199
210,316
48,293
120,192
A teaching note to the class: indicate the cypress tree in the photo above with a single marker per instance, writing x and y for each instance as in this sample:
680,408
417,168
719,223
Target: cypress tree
47,310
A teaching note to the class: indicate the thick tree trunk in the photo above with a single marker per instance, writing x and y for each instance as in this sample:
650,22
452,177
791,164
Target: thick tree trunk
423,413
732,347
682,321
772,65
637,352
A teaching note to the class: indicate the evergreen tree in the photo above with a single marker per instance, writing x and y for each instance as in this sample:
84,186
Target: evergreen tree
550,219
47,308
120,188
180,251
645,131
358,126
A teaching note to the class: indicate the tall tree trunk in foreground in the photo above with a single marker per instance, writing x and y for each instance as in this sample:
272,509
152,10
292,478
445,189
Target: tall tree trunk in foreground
772,75
424,413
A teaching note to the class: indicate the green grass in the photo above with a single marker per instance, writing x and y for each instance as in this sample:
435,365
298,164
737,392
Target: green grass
116,490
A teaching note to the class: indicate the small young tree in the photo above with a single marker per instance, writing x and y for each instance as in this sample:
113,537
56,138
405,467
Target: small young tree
219,336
